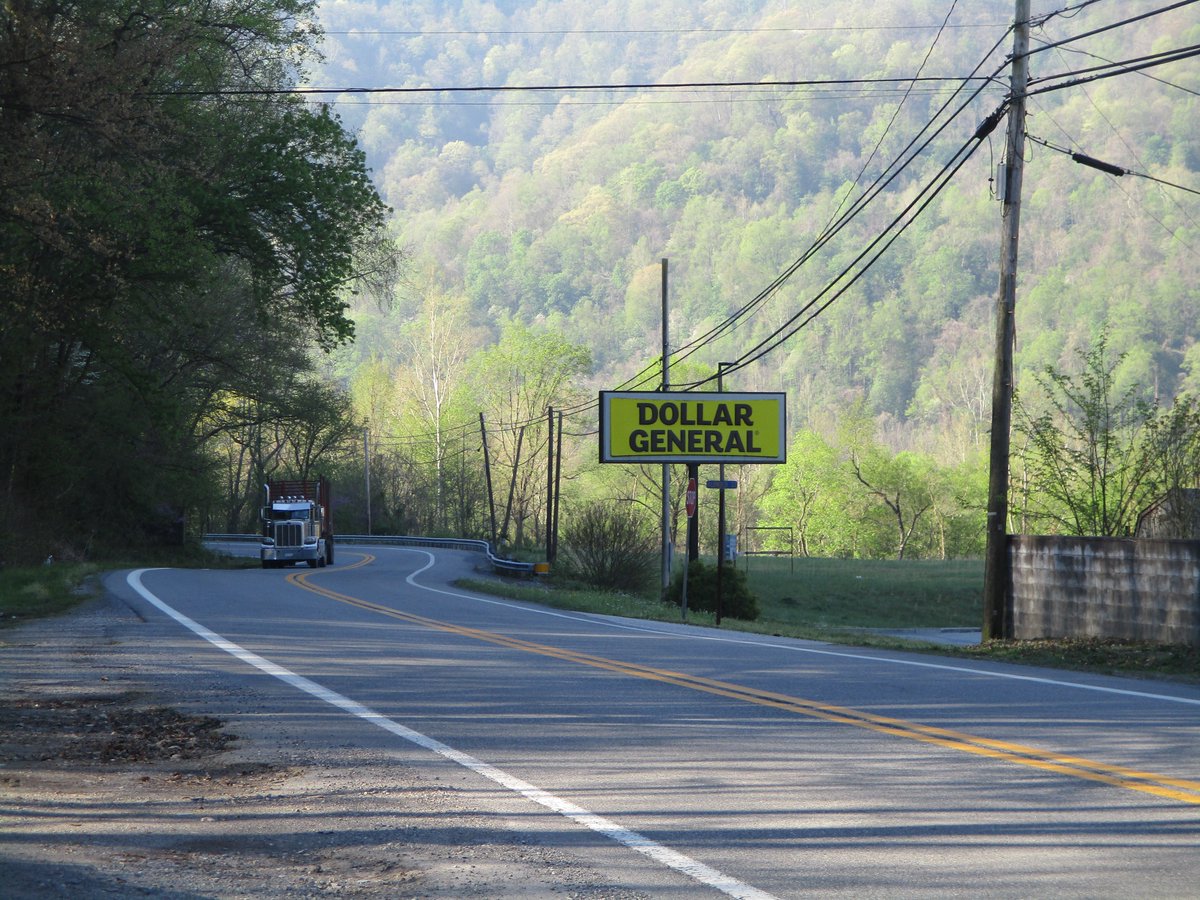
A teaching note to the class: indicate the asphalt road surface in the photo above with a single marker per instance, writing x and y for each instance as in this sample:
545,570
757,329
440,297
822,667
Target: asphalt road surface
686,762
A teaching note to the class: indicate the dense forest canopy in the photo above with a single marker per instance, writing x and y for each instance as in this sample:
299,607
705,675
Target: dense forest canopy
554,207
558,205
168,254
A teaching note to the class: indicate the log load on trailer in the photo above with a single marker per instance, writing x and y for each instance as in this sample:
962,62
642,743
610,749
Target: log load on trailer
297,524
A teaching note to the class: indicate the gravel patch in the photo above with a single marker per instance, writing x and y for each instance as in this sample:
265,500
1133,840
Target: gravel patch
122,776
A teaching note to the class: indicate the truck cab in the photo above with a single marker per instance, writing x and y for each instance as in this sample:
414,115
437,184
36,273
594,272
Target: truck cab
295,524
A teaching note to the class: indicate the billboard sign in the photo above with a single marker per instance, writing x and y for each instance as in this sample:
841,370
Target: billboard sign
692,427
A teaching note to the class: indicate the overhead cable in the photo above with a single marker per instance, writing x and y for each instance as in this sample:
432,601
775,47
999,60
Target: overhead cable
536,88
1078,37
1111,70
1107,167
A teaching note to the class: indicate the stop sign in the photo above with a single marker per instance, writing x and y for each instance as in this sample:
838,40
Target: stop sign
690,498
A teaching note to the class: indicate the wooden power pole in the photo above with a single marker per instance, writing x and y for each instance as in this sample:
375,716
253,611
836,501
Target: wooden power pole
997,579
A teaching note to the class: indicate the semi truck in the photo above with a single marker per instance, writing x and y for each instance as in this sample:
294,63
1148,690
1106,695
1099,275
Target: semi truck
297,524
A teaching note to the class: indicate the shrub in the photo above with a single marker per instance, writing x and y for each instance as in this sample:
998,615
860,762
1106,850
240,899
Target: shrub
608,546
737,602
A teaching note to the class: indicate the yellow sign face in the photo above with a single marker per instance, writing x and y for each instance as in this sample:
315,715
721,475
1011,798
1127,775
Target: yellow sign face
642,426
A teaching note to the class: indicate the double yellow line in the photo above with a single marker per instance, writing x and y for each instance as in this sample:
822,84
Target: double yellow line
1078,767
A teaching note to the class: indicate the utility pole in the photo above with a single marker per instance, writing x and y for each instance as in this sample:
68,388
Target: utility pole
367,470
487,471
557,487
693,528
549,483
721,367
666,468
997,577
512,489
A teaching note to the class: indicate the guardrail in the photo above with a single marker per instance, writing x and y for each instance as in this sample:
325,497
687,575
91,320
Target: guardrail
502,566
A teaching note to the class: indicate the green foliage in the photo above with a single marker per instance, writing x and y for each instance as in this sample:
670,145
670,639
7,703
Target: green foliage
608,546
564,209
737,600
513,382
855,499
160,253
1091,451
812,493
868,593
34,591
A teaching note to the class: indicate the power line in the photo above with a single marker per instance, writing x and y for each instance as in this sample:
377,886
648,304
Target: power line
1068,12
565,32
1110,27
870,255
1108,168
1111,70
1170,198
1170,84
542,88
741,96
881,182
646,376
895,115
779,336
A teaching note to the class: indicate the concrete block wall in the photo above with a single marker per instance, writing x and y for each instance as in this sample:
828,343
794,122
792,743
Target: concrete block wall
1143,590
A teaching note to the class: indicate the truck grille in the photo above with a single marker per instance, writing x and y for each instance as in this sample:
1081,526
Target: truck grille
289,534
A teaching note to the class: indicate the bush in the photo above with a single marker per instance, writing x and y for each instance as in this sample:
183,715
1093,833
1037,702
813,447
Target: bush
736,600
609,547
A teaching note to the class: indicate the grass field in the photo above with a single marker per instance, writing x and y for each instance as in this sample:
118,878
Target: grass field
860,593
821,598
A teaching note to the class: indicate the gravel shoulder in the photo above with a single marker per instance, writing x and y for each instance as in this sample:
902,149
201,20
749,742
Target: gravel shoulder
122,773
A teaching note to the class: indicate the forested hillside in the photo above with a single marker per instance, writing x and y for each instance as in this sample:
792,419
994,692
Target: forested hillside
553,207
197,295
559,204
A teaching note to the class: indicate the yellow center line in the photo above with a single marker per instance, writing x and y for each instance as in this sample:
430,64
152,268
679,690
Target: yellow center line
1078,767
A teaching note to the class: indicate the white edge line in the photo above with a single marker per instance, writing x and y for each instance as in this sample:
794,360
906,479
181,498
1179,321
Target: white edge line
673,859
605,620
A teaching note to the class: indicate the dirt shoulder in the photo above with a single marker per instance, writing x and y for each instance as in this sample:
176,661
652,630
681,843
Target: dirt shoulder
119,777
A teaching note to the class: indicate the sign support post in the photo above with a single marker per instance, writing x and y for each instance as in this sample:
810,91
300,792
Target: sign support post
721,366
666,468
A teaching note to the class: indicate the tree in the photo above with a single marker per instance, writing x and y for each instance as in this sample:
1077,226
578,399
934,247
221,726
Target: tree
1089,451
808,494
901,483
513,383
161,243
437,345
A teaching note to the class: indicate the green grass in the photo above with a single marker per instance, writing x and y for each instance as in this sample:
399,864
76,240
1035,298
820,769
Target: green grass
30,592
35,591
822,598
867,593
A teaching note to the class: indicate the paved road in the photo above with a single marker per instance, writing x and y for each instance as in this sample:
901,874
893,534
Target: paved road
685,762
